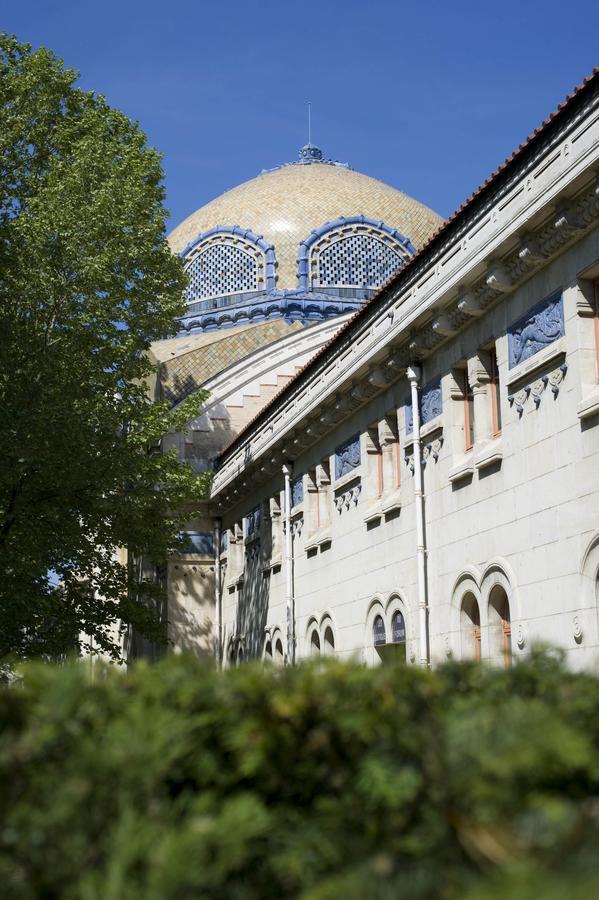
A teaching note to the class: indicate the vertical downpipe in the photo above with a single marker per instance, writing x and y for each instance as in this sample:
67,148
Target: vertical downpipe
413,373
218,598
289,598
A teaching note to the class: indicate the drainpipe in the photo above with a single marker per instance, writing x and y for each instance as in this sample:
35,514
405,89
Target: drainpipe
413,373
289,598
218,600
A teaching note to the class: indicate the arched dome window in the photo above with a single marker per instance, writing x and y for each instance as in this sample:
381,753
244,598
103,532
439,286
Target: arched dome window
353,252
228,260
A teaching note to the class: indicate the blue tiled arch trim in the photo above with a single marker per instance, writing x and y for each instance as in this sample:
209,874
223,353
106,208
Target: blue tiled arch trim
305,247
247,235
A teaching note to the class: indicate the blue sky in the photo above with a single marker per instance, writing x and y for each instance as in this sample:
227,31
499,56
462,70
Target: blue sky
429,97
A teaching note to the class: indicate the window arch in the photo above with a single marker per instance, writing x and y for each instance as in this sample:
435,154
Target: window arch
470,627
228,260
355,252
268,654
328,641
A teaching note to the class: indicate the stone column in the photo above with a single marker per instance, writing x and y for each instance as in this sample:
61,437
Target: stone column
479,377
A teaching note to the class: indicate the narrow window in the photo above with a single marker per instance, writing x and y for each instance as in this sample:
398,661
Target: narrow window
495,395
268,652
398,628
470,627
468,402
329,641
378,632
279,656
315,644
500,627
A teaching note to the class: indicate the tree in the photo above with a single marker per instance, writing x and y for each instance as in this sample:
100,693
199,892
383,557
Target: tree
87,282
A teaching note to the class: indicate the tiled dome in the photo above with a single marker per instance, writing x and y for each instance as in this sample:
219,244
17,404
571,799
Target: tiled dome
283,207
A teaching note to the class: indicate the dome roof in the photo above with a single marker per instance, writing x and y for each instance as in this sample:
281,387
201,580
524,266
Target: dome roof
286,204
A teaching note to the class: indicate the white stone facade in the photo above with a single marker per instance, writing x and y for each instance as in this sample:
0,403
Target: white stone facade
498,317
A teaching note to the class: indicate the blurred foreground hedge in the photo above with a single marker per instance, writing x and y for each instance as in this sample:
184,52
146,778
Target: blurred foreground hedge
319,782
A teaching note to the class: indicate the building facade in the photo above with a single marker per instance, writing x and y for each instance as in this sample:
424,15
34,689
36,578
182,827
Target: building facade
421,477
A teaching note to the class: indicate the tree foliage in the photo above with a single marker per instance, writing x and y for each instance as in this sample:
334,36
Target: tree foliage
87,282
315,782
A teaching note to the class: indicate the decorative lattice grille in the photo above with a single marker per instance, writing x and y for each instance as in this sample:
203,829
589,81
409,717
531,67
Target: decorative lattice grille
360,260
219,269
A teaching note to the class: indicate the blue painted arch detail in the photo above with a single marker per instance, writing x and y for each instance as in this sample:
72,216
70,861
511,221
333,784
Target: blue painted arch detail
306,246
247,235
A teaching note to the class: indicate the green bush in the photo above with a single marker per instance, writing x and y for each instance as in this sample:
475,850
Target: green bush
318,782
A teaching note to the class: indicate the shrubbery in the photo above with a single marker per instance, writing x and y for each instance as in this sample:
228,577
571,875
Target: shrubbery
317,782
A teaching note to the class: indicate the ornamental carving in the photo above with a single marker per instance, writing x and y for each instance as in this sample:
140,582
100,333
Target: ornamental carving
538,387
431,405
348,498
541,326
347,457
252,522
297,491
432,450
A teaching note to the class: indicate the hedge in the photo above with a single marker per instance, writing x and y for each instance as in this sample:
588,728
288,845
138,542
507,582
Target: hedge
320,782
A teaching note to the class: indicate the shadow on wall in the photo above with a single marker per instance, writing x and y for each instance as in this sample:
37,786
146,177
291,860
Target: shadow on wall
252,603
191,608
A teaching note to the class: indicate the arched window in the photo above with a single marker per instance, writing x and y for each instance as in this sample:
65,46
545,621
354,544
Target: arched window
500,628
228,260
268,651
470,627
315,643
279,656
352,252
329,642
398,628
240,654
379,634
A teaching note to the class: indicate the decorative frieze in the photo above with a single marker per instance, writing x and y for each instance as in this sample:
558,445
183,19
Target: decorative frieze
431,405
347,457
297,491
543,325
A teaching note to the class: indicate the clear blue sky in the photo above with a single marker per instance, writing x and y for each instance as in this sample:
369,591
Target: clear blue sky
427,96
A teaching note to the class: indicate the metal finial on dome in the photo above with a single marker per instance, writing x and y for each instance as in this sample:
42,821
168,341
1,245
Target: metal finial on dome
310,153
